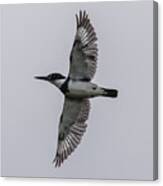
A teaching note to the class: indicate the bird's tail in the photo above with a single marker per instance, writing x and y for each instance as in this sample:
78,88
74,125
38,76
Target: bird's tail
113,93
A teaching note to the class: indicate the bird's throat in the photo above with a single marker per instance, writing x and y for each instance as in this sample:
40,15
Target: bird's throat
58,83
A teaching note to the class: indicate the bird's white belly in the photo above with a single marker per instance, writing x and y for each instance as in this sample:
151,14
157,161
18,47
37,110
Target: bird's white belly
82,89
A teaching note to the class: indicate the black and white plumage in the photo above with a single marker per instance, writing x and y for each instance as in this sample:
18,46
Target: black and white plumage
83,56
72,127
77,88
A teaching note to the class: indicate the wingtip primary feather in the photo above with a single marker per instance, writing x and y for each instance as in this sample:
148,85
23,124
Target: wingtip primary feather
81,18
71,142
77,20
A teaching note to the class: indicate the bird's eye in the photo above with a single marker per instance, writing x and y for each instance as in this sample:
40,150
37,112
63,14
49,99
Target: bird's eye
51,77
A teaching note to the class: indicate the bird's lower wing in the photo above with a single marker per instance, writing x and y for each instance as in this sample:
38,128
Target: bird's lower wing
71,128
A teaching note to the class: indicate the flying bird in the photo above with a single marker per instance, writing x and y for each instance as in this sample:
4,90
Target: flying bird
77,88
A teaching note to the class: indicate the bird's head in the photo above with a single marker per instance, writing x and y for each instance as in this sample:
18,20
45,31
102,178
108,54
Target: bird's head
53,78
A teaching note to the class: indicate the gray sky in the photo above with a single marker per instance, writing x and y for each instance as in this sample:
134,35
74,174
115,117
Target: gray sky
37,40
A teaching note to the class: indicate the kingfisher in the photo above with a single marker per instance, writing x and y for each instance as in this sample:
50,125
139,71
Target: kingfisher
77,88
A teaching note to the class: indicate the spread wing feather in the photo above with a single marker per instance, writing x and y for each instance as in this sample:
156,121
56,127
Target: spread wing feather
83,58
71,128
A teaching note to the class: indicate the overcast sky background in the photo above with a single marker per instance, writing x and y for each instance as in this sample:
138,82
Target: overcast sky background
37,40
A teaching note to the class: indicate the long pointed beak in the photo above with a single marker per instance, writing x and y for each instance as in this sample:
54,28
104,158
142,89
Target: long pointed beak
42,78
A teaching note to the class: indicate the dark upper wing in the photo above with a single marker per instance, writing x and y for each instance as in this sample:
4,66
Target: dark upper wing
83,56
71,128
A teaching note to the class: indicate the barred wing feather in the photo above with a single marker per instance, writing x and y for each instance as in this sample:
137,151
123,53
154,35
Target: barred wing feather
71,128
83,58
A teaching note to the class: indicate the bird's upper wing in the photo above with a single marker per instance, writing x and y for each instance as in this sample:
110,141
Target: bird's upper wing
83,56
71,128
